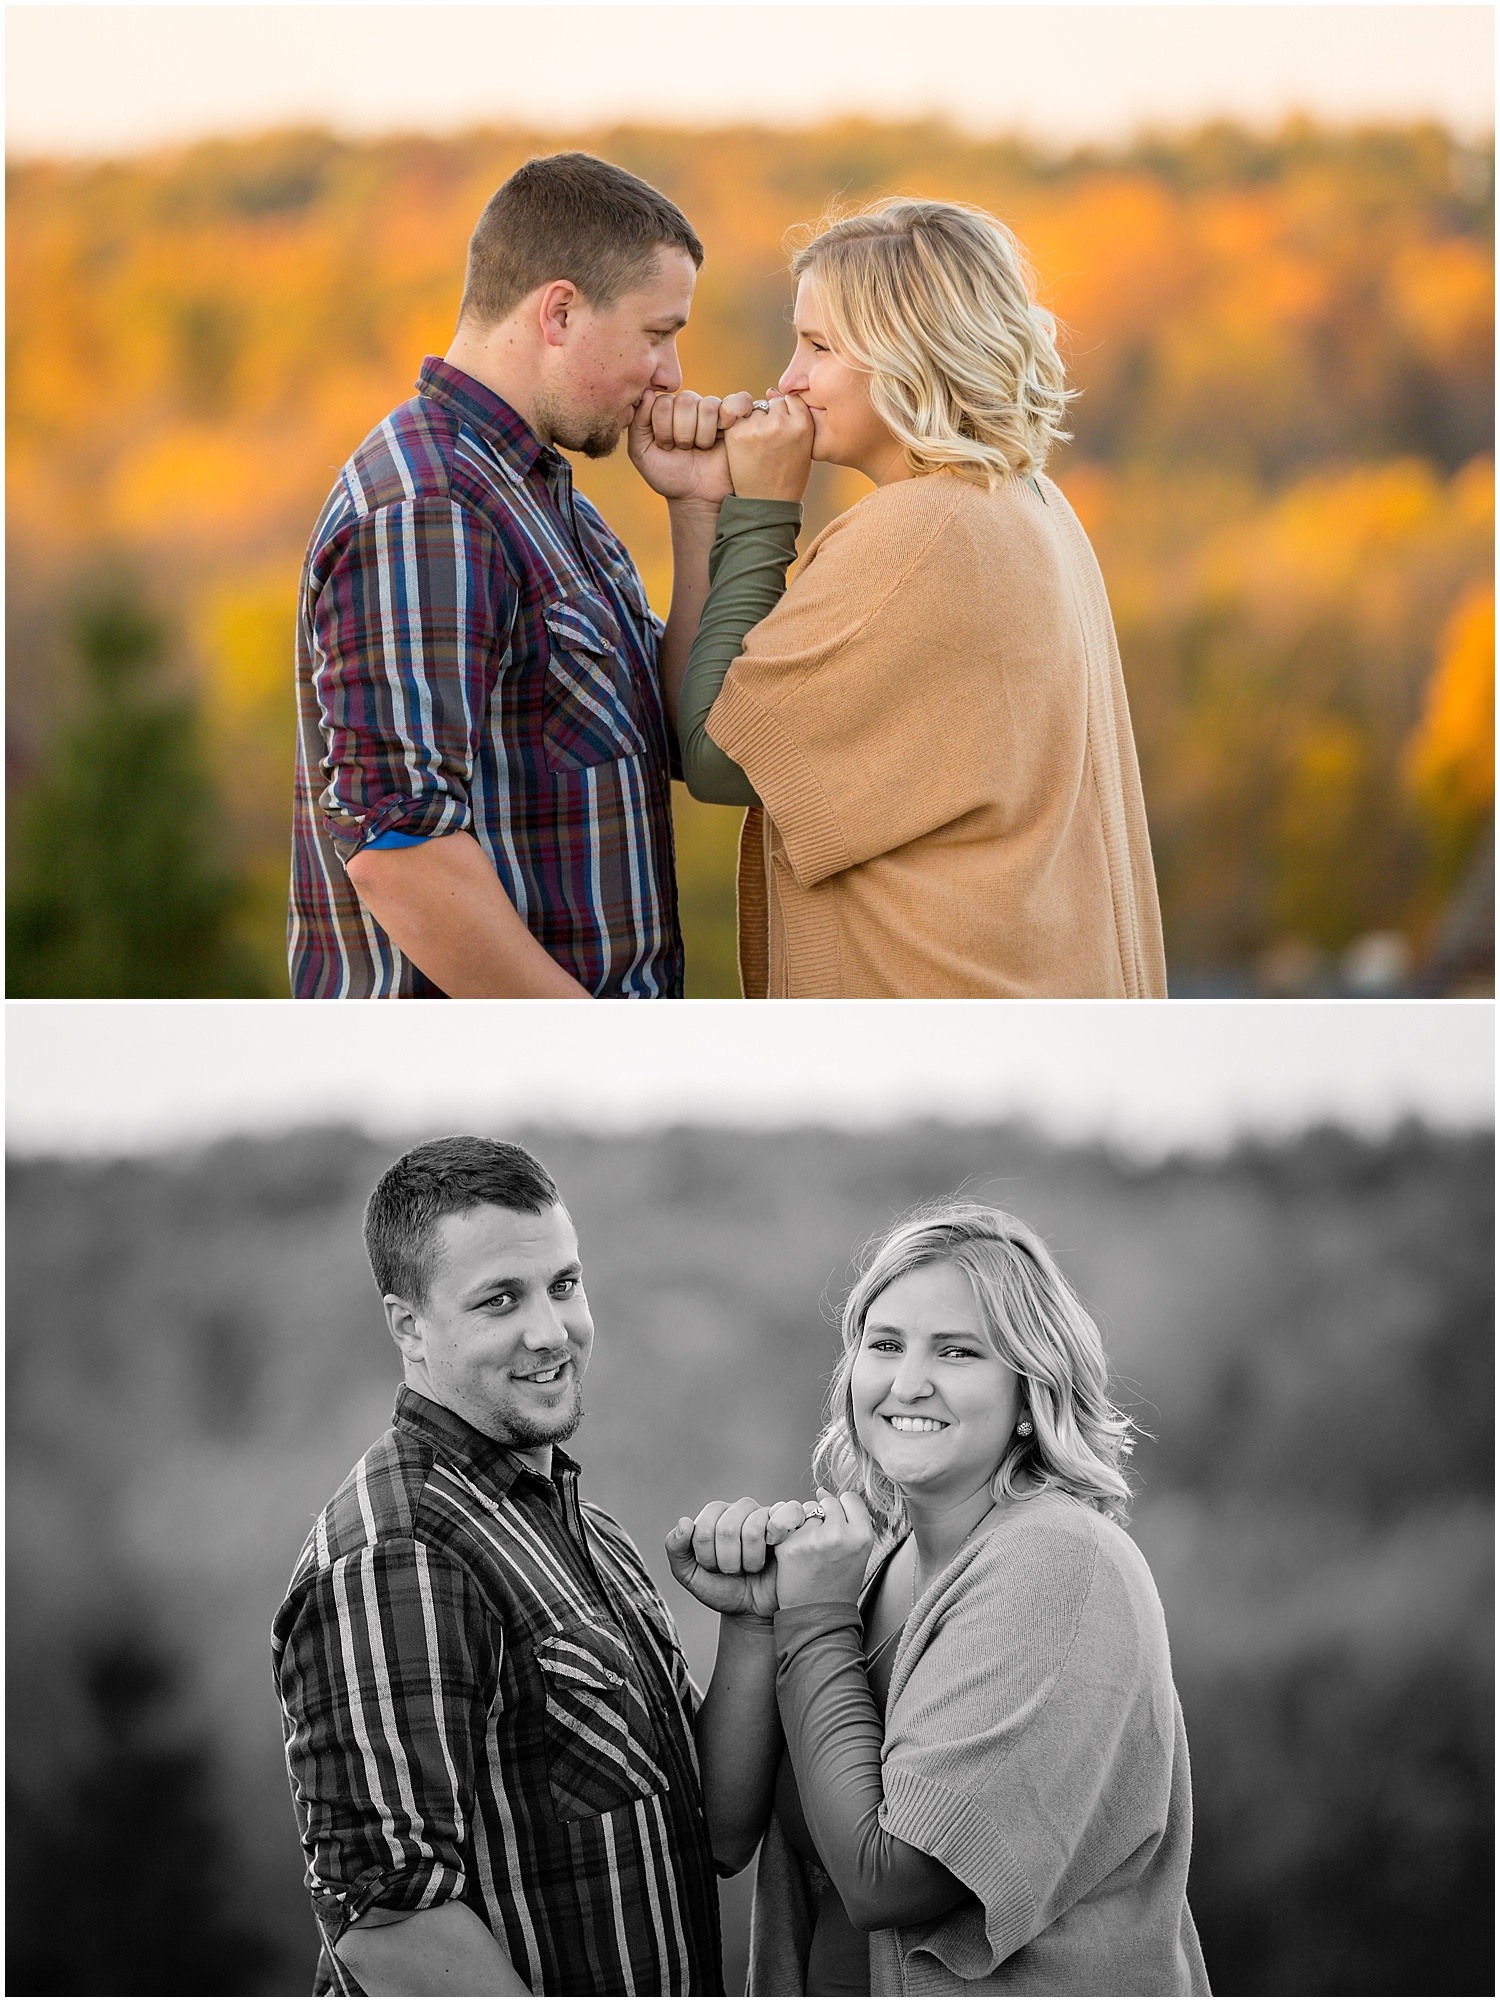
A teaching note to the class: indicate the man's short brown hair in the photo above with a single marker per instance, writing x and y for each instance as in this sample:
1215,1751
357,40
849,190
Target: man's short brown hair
568,215
442,1178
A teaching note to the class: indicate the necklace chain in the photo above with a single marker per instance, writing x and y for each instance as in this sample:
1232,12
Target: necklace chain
961,1542
896,1632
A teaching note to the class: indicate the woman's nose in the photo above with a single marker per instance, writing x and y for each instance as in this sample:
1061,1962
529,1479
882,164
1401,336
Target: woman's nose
911,1381
793,380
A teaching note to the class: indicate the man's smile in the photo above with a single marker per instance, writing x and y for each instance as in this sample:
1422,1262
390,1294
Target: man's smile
545,1375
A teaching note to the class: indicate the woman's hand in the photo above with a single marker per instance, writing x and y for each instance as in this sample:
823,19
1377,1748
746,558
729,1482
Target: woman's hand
770,451
827,1559
726,1555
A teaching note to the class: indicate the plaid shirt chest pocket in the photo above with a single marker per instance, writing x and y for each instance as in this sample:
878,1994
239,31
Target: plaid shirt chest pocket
601,1744
591,709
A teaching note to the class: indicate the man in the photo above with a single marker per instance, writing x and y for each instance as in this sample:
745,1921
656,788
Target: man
483,796
489,1721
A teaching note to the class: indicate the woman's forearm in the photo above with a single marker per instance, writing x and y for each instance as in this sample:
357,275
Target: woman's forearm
834,1735
693,525
755,543
739,1740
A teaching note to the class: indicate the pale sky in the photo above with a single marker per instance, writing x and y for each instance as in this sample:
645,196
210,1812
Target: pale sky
123,1076
108,79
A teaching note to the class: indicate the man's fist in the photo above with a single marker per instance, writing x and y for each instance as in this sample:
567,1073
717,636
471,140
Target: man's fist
677,442
726,1554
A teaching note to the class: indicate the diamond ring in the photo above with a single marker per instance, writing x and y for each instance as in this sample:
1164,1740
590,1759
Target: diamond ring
760,406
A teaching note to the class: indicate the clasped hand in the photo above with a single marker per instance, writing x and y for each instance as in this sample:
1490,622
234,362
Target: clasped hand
740,1557
703,448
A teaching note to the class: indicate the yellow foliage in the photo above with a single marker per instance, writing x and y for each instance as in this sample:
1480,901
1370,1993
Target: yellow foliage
1282,345
211,487
1450,759
244,628
1376,546
1445,293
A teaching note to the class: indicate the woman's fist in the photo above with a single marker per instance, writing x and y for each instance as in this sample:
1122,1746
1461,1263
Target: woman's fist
826,1559
770,451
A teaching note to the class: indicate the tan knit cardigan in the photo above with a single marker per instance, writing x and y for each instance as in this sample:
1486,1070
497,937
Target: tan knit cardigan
935,720
1035,1745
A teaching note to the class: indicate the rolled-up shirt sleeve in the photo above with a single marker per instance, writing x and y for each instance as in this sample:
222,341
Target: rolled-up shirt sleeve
410,629
386,1671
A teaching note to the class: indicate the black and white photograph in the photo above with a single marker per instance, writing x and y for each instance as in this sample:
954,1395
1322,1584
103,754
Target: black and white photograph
850,1501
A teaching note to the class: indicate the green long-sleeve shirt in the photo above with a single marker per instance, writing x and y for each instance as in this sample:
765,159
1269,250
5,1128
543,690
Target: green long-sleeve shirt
753,547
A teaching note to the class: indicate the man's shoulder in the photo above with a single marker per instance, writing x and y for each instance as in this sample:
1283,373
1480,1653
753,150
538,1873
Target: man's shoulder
379,1501
408,456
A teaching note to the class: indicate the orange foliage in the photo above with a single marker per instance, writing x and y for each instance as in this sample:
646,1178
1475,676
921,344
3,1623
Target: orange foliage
1283,345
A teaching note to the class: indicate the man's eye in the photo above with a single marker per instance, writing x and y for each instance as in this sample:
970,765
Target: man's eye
565,1286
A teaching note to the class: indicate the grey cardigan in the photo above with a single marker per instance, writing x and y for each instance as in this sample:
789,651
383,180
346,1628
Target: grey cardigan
1034,1744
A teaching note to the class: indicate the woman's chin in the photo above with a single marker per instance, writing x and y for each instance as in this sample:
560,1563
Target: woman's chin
911,1471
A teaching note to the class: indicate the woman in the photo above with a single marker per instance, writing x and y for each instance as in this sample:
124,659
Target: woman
964,1763
930,725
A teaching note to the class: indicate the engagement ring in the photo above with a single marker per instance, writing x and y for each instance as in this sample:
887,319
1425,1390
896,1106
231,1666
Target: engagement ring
760,406
812,1508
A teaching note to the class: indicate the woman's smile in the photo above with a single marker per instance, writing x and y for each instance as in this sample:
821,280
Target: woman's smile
934,1406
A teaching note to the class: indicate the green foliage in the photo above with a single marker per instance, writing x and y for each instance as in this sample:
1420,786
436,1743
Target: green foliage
118,884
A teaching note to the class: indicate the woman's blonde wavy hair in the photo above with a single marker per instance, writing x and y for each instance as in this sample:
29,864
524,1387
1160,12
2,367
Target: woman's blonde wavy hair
933,299
1035,1324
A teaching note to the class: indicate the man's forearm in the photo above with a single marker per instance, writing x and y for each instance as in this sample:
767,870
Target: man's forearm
693,526
739,1740
446,1950
444,906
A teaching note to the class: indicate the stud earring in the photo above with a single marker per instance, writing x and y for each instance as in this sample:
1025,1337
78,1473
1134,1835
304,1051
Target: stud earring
1025,1428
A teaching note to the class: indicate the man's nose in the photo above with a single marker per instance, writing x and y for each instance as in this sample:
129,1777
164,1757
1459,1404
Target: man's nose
546,1329
668,373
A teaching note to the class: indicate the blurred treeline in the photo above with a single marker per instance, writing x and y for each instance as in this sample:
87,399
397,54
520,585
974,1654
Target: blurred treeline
196,1356
1283,453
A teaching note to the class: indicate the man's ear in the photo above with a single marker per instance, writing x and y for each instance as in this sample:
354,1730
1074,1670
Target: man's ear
556,309
404,1322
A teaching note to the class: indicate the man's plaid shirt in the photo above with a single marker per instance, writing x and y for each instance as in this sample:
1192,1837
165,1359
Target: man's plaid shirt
475,651
484,1698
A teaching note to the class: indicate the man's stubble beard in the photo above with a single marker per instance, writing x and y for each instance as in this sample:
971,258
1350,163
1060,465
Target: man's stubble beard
567,431
512,1430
